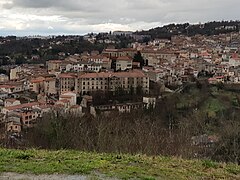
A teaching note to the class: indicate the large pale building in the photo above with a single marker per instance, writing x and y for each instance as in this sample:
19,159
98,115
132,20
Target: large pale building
104,81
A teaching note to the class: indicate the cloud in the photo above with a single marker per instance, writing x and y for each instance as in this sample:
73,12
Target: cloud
82,16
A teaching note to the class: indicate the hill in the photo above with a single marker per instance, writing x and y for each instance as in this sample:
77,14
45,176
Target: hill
120,166
209,28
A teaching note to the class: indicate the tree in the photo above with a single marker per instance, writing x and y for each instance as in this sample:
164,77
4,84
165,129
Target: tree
139,90
228,147
138,58
2,71
20,60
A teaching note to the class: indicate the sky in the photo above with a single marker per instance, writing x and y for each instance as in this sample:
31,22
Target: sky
57,17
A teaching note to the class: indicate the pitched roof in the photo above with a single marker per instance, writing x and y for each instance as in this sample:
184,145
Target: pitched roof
11,100
67,75
20,106
124,58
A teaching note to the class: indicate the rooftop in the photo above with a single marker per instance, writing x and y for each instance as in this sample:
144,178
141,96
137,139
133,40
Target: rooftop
20,106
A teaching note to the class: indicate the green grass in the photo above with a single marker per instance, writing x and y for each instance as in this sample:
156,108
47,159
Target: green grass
122,166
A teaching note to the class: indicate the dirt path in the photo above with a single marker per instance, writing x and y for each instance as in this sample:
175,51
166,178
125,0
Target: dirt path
16,176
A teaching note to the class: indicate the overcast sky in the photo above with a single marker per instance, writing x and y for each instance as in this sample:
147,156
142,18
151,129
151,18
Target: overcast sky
47,17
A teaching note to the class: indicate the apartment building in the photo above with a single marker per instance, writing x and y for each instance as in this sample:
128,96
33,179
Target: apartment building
104,81
67,82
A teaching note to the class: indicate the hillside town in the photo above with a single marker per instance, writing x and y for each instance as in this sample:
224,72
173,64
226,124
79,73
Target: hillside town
76,82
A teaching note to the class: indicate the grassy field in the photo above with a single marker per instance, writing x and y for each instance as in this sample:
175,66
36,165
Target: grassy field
121,166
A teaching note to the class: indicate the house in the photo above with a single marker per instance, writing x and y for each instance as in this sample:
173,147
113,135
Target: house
155,75
29,116
12,88
234,62
70,96
123,63
97,59
14,73
3,95
53,65
13,124
63,103
50,85
150,102
206,56
86,101
11,102
42,84
28,113
36,85
106,63
216,79
6,88
7,110
121,108
87,67
4,78
76,109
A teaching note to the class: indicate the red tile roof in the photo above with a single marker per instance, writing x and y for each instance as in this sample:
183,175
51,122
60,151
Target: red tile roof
36,80
55,61
131,73
11,100
67,75
124,58
20,106
6,86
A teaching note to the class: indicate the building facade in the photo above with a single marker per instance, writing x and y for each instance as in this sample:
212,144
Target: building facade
104,81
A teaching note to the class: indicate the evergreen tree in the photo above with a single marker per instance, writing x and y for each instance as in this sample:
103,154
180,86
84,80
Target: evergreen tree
138,58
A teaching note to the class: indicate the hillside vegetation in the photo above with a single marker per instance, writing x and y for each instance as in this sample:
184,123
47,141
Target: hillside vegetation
207,29
121,166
